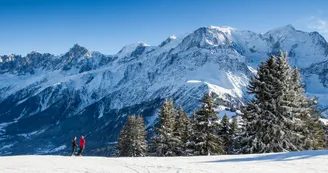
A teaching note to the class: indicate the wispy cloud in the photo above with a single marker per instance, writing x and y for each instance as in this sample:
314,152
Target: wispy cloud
318,24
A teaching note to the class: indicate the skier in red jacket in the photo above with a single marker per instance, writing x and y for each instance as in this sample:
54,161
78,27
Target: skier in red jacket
82,145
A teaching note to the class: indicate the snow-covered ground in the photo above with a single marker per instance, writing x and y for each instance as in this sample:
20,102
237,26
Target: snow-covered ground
294,162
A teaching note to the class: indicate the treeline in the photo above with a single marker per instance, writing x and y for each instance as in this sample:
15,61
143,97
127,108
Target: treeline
178,134
279,118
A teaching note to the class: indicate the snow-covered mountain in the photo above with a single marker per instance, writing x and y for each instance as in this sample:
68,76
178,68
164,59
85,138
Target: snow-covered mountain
47,99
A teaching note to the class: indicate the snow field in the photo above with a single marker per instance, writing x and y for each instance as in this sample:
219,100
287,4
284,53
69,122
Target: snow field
294,162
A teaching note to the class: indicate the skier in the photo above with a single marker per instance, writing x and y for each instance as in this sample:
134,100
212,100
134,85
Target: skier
74,145
82,145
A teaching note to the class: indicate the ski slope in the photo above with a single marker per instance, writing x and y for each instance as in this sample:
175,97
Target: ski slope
294,162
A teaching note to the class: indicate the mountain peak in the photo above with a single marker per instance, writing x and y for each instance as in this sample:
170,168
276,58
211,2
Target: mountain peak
208,37
78,48
142,44
172,37
168,40
128,49
225,29
77,51
33,53
284,29
288,27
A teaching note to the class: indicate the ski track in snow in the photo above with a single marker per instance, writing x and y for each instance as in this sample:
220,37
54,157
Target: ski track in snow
294,162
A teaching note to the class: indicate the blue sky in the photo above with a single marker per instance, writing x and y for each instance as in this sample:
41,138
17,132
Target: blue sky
106,26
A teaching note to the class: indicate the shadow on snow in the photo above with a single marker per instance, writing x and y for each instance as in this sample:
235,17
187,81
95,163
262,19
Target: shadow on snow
278,156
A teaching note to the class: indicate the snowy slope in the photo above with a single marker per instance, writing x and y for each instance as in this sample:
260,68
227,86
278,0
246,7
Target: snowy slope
295,162
46,99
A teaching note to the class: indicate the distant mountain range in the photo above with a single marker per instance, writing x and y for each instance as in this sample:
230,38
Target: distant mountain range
46,99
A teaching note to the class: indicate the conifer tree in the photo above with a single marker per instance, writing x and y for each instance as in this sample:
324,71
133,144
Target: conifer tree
192,122
312,129
325,135
132,141
262,122
190,145
181,131
308,131
164,143
234,136
141,142
225,133
234,126
205,140
280,117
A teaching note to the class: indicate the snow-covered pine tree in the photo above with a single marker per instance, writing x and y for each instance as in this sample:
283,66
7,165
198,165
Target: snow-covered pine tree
234,126
267,118
280,116
164,142
234,136
205,140
181,131
315,134
124,147
132,141
141,143
287,104
225,133
190,145
311,128
325,136
259,114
